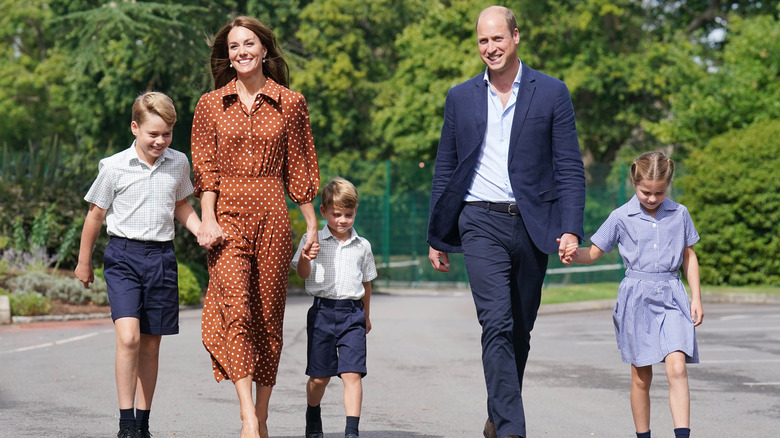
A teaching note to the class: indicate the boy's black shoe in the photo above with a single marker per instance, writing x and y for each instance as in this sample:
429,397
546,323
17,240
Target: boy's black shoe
128,432
314,435
144,433
351,435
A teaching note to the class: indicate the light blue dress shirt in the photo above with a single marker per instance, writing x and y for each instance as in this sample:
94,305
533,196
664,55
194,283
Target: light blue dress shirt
491,179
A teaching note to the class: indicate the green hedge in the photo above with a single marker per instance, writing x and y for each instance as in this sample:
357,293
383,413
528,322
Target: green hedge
733,193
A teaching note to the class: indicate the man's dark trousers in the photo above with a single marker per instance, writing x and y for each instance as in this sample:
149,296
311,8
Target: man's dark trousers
506,273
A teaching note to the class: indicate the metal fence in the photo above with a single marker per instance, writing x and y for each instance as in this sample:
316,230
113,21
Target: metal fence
393,216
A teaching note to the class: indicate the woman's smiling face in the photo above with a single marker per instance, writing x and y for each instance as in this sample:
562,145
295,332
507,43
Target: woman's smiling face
246,51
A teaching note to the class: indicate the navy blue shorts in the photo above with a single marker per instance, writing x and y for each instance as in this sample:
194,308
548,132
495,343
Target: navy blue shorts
142,281
337,338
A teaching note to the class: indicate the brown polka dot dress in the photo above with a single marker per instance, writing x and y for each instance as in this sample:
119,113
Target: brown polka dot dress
251,160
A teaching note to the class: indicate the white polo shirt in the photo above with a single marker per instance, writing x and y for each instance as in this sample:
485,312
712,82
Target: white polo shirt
340,269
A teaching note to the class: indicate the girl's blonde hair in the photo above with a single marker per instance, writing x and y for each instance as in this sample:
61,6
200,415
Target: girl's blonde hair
652,166
339,193
153,102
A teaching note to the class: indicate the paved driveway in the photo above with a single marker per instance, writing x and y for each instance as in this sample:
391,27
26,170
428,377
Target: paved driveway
424,380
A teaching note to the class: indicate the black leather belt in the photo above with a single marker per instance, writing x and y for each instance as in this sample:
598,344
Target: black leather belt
502,207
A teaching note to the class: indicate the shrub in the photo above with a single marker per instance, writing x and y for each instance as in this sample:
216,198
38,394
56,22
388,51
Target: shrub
189,288
55,287
733,194
29,304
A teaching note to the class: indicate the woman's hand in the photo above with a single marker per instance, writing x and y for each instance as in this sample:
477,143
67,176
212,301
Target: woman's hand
210,234
312,246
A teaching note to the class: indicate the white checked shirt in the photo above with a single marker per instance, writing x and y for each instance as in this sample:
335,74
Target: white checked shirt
340,269
141,199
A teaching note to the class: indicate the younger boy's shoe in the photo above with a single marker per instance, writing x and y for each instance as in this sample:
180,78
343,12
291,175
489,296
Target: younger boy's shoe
351,435
128,432
144,433
314,435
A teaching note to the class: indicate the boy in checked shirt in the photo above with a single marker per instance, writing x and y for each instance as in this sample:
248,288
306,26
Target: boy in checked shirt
138,192
338,321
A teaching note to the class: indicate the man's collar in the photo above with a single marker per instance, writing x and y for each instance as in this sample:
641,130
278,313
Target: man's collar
518,76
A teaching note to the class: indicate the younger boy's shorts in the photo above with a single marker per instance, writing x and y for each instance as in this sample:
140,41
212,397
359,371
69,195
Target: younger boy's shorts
336,332
142,282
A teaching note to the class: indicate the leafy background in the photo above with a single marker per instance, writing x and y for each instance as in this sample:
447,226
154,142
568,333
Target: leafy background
695,78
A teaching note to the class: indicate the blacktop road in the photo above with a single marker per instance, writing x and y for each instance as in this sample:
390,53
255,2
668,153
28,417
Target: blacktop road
424,379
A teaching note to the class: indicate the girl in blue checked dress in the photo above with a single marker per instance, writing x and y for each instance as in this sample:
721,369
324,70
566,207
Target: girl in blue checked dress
654,322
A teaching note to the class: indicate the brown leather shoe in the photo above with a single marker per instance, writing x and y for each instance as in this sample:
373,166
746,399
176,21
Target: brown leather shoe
490,429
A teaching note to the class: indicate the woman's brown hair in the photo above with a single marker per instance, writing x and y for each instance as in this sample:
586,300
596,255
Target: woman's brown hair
274,65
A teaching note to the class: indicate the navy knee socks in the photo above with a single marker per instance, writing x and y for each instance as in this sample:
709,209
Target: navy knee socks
313,419
352,426
126,417
682,432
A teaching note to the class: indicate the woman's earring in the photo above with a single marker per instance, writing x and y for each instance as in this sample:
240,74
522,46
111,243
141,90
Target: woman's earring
231,65
263,60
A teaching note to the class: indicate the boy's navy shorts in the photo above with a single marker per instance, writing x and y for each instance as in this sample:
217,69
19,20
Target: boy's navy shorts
337,338
142,282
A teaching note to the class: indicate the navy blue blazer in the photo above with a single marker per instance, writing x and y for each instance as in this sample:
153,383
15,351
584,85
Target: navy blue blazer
545,162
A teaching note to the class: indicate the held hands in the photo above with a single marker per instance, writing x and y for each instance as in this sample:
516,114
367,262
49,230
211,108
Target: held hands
311,253
210,235
568,248
312,246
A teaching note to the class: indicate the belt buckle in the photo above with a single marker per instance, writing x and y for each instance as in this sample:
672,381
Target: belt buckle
509,209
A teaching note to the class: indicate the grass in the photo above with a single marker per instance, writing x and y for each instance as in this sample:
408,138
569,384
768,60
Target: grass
579,292
603,291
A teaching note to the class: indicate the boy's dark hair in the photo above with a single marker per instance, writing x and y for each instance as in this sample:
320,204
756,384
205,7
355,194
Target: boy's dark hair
339,193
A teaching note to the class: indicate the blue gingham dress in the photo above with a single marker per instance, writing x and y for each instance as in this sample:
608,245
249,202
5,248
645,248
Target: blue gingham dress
652,315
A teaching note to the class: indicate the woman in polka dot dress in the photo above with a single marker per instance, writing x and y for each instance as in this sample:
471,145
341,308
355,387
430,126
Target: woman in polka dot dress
251,143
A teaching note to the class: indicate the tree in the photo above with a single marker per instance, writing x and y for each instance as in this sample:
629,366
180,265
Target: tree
348,51
122,48
738,88
435,53
32,75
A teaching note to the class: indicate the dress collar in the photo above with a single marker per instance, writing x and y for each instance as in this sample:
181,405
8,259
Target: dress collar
272,90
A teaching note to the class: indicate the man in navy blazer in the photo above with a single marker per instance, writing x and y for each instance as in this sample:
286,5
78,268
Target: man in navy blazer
508,189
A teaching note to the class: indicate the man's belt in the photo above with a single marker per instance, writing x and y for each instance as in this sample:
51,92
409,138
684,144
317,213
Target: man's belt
501,207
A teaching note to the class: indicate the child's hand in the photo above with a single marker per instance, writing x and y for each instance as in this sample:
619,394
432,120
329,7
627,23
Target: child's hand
210,234
216,241
85,274
368,324
697,312
312,252
568,253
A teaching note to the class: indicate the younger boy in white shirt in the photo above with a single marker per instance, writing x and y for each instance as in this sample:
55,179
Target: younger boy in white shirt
338,321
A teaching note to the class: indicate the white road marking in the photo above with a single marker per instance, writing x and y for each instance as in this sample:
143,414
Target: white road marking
742,361
51,344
